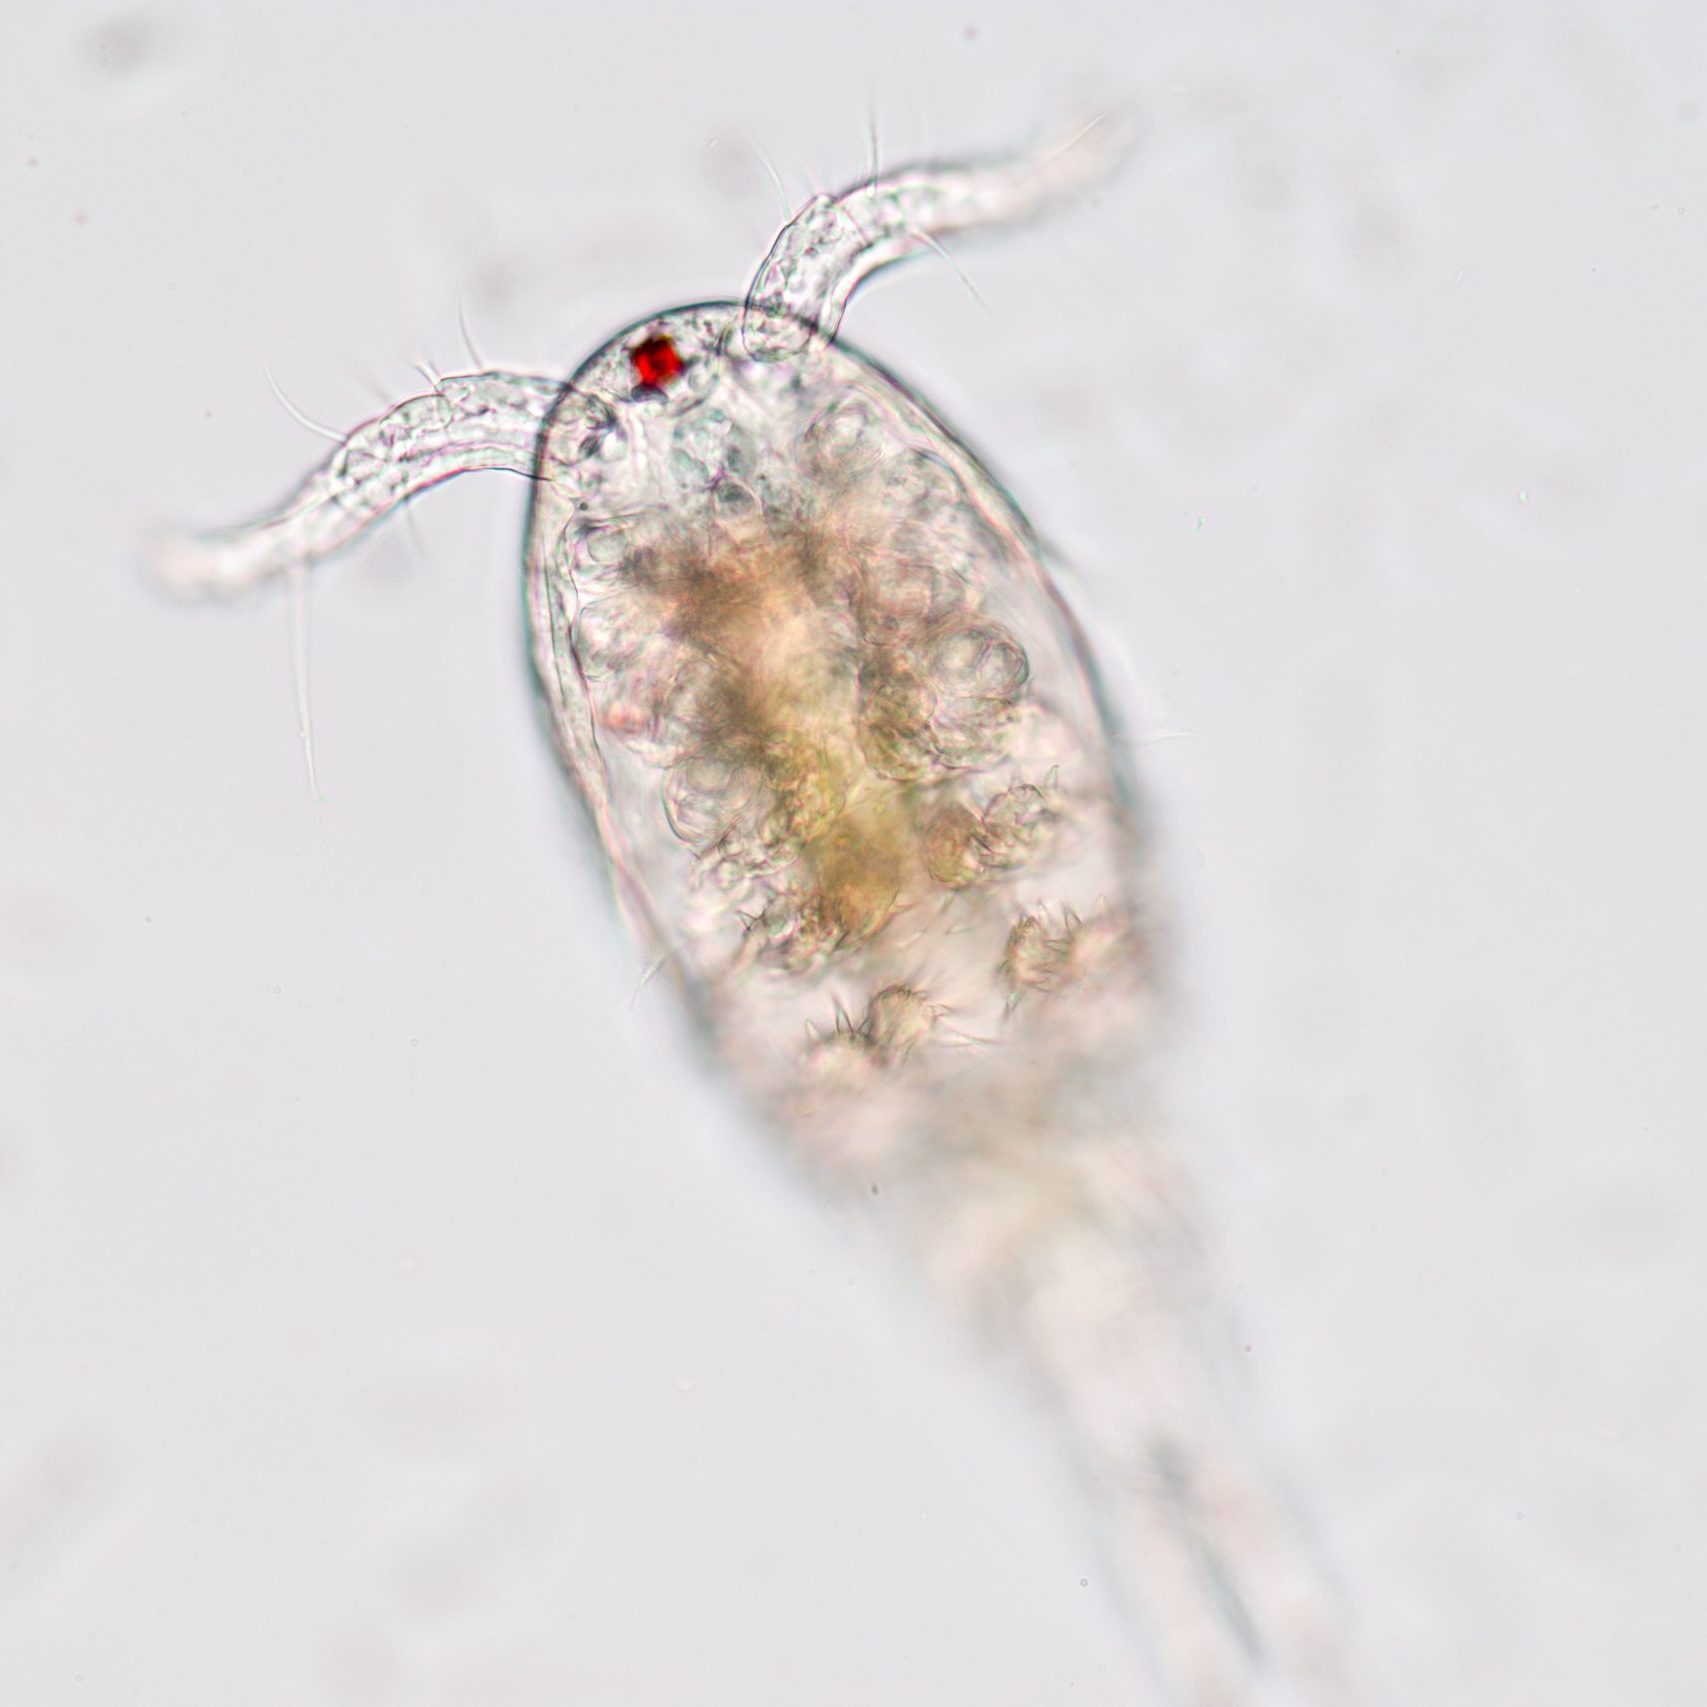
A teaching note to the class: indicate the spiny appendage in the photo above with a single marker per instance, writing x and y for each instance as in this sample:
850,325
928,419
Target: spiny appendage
835,242
896,1020
467,423
1053,948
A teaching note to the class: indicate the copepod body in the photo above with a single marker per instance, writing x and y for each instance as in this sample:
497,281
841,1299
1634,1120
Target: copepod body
840,739
846,756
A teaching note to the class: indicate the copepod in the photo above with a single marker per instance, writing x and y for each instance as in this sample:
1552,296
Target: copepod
845,752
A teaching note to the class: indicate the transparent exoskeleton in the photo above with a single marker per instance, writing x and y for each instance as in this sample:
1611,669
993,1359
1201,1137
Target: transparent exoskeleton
845,752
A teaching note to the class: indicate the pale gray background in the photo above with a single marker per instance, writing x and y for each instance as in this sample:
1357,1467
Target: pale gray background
389,1313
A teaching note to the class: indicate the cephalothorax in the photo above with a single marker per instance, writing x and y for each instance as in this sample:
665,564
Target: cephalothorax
844,750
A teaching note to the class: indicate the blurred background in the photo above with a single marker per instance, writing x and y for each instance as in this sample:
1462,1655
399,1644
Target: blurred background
390,1310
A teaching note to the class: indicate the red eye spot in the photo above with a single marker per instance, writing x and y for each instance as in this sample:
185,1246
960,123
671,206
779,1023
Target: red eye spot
656,362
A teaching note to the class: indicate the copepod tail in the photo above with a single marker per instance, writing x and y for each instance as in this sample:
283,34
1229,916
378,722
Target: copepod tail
1088,1261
